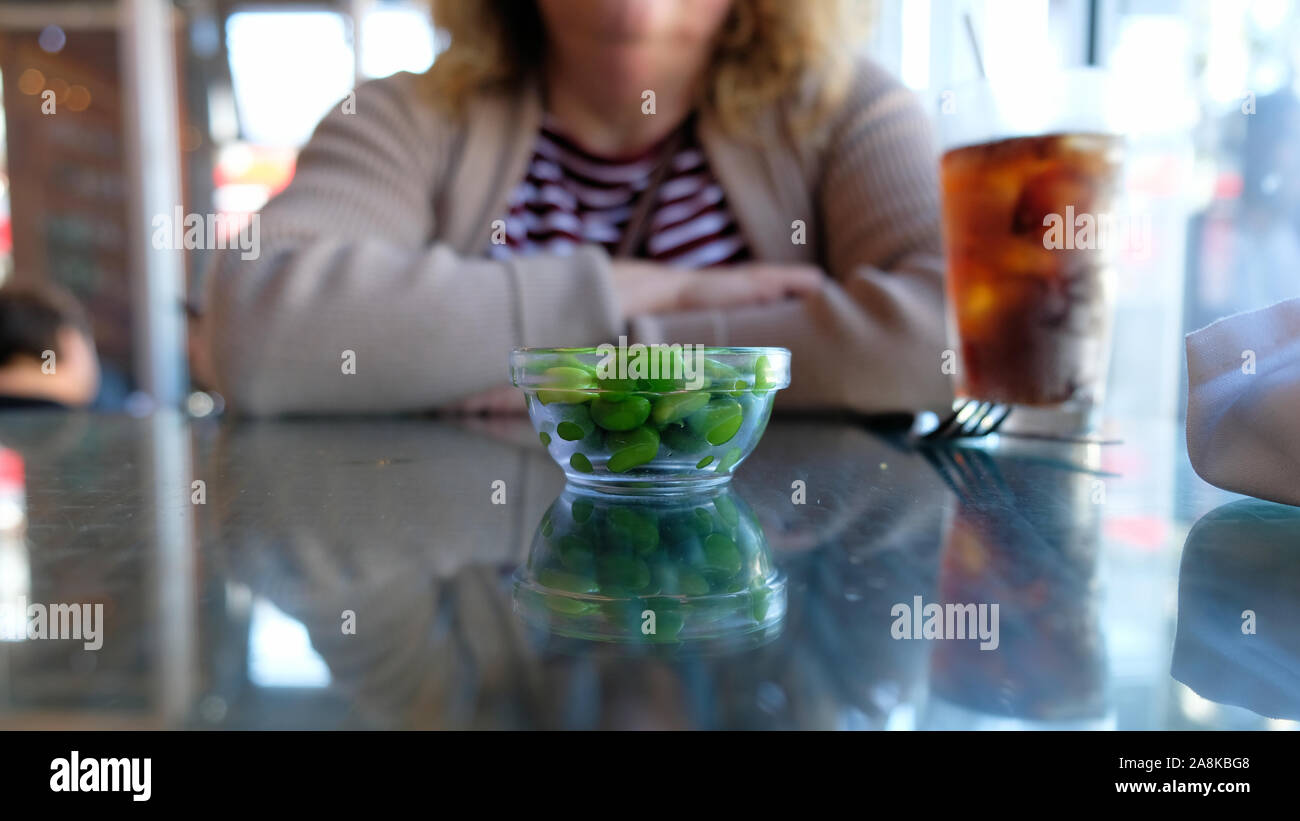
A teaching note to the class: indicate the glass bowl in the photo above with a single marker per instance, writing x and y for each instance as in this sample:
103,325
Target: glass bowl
649,417
657,569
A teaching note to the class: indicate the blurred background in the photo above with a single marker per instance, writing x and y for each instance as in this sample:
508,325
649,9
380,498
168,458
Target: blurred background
206,103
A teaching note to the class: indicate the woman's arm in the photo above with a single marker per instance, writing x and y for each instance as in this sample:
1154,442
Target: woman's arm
346,264
872,338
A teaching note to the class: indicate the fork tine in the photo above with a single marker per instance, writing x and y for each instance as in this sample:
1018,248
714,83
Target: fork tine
973,422
947,426
1003,412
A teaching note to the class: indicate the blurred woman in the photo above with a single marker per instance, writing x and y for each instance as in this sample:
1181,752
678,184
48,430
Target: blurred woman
718,172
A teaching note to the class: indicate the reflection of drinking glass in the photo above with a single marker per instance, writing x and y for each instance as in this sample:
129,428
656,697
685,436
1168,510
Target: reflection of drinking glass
1029,177
651,569
1027,541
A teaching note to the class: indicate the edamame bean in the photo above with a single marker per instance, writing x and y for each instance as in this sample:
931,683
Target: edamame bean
569,607
680,440
575,554
723,378
692,583
582,510
717,421
703,522
721,554
764,375
671,372
563,360
760,597
568,582
729,460
546,438
629,449
703,463
677,406
727,510
573,423
677,529
622,573
566,385
633,528
624,415
580,463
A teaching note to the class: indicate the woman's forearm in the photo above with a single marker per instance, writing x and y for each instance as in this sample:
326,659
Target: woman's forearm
871,343
366,326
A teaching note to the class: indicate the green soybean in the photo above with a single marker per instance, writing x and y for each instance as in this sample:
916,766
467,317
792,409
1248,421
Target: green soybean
729,460
760,597
678,529
721,554
575,554
764,375
670,369
580,463
692,583
624,415
723,378
564,360
582,510
566,385
573,422
703,521
727,510
611,382
568,582
545,437
703,463
677,406
569,607
681,440
717,421
619,574
628,449
636,529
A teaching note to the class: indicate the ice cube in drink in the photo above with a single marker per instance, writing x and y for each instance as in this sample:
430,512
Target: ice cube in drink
1031,313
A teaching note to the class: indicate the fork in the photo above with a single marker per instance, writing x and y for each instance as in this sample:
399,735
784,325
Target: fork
970,418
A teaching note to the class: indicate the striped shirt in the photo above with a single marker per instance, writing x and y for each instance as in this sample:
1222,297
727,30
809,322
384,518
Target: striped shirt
571,197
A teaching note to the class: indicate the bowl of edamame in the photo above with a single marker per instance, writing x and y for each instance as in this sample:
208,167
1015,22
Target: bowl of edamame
656,569
649,417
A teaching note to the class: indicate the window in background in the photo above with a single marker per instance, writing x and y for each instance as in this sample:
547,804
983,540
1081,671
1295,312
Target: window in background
396,37
1244,243
288,69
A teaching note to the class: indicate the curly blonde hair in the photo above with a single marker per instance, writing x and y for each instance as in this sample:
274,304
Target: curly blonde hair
765,52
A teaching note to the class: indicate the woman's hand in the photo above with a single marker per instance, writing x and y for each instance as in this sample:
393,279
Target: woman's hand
652,288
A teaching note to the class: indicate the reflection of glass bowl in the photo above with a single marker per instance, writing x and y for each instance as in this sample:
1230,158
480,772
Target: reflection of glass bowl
653,418
650,569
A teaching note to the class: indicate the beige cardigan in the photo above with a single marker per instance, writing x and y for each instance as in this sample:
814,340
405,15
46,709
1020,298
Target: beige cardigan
378,248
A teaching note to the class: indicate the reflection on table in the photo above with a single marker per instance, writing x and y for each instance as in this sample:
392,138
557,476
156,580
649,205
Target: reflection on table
357,573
